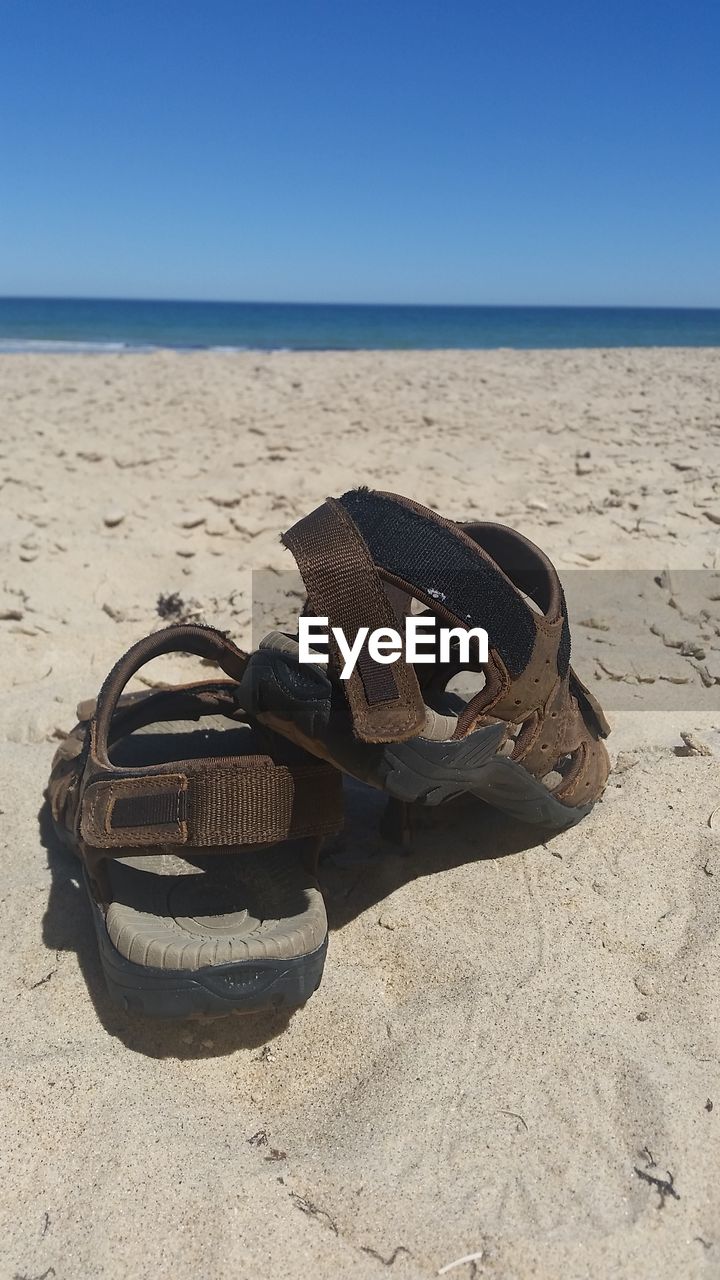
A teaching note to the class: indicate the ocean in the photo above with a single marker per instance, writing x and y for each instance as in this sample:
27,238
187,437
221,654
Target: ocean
76,324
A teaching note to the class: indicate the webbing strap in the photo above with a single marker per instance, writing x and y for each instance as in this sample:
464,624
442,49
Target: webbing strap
205,642
214,804
445,569
343,585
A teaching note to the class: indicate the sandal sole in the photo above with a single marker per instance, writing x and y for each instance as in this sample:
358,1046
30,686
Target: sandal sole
418,771
433,772
247,986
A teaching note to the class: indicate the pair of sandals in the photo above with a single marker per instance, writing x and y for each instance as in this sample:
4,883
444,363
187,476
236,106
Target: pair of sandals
198,812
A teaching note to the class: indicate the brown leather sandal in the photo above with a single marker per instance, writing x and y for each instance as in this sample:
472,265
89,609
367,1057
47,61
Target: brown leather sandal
529,742
198,837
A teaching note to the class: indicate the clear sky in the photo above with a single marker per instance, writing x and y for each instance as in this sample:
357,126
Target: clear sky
480,151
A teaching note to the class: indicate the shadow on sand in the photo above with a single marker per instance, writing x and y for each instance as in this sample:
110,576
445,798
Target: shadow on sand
360,869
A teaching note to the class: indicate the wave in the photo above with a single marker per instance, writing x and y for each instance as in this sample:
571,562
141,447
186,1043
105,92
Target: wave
48,346
9,346
52,346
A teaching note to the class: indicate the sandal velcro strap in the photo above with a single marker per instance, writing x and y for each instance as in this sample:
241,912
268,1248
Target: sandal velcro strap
449,569
355,552
343,585
202,803
212,804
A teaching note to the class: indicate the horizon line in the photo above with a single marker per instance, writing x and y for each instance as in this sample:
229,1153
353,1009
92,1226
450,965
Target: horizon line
277,302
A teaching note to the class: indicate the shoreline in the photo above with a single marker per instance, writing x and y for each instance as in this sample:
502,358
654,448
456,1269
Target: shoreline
41,347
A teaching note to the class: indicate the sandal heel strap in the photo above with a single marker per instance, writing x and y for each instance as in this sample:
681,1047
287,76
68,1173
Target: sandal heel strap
343,585
216,805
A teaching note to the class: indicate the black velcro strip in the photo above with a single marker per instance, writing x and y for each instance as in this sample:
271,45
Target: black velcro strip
163,809
378,680
437,562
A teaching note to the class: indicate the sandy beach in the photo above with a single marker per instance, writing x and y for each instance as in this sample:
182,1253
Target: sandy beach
514,1054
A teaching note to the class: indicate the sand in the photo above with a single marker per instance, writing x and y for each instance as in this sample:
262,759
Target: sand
513,1038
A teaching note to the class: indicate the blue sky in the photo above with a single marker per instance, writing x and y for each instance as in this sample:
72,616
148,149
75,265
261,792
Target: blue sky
471,151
